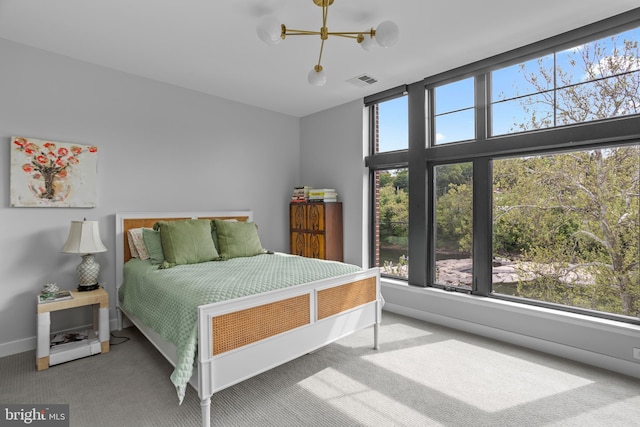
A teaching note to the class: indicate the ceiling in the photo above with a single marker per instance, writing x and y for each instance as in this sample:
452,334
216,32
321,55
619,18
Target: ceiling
211,46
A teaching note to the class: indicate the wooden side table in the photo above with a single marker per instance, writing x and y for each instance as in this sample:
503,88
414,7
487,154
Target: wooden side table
47,356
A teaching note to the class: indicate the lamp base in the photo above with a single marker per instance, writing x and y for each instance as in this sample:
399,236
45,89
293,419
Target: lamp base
87,272
84,288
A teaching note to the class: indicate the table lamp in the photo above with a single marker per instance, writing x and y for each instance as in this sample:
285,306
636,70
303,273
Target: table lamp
84,239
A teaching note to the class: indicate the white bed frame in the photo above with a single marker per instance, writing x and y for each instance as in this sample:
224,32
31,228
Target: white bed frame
215,372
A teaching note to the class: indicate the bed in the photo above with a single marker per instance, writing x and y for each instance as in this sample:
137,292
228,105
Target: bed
244,334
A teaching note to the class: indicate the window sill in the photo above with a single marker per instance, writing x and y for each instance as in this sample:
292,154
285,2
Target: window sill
599,342
495,303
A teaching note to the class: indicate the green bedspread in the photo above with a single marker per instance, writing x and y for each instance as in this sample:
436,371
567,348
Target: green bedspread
166,300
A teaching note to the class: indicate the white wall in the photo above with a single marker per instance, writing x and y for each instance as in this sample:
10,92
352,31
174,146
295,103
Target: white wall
332,156
161,148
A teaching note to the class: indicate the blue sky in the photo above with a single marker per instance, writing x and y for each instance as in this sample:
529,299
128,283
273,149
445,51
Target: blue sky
457,98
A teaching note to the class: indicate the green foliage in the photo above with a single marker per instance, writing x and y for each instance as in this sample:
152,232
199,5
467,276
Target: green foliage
454,174
393,212
454,204
454,220
401,180
576,211
385,179
393,209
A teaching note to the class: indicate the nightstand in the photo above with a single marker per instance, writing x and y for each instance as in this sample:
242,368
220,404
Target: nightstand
48,356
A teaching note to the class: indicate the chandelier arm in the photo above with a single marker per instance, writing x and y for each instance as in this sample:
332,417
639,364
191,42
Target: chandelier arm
325,13
345,35
348,34
290,32
320,56
340,33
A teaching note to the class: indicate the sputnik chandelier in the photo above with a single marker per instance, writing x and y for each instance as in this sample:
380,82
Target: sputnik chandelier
272,32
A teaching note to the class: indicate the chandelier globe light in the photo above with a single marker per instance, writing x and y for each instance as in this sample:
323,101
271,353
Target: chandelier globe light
272,32
317,76
269,30
387,33
368,43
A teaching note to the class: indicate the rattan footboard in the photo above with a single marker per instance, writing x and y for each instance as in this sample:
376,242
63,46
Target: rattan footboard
239,328
341,298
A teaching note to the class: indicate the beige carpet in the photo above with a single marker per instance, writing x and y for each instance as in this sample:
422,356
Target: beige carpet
423,375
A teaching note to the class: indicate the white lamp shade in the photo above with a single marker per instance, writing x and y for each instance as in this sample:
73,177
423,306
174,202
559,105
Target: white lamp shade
84,238
368,43
269,30
317,78
387,34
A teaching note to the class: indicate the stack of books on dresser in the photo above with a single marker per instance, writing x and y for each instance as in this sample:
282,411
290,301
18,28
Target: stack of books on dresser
300,194
323,195
308,194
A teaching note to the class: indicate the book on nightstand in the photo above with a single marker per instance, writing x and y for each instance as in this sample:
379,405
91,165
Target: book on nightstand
59,296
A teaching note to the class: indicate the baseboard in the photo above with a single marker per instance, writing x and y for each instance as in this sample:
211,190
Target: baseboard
576,354
18,346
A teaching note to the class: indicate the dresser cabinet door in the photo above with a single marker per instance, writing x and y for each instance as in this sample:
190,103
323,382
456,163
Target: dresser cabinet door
316,230
315,217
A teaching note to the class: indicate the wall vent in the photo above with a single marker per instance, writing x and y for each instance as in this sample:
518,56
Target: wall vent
363,80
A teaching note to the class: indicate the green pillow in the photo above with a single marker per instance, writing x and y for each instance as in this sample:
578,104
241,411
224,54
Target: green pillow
214,233
187,241
154,245
238,239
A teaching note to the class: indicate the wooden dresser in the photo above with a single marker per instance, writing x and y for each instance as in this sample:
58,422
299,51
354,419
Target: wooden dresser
316,229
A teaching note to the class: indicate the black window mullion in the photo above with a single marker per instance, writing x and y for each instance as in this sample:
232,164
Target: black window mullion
482,250
417,186
482,230
389,160
387,95
430,194
481,107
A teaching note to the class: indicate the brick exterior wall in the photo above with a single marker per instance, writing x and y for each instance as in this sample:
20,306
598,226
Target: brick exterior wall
376,183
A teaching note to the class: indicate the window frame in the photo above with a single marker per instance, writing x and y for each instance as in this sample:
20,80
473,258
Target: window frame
423,154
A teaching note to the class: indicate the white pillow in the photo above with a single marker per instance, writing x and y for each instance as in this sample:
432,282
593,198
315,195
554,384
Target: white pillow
136,244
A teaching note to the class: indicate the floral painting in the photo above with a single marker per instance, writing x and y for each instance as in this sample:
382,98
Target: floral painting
52,174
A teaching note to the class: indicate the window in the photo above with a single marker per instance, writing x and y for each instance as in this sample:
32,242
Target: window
516,89
392,125
454,222
389,116
542,205
392,222
591,81
454,113
566,228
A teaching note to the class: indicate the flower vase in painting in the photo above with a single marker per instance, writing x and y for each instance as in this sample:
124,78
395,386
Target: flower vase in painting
52,174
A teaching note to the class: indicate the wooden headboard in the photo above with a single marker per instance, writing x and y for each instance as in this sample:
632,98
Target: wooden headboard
128,220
